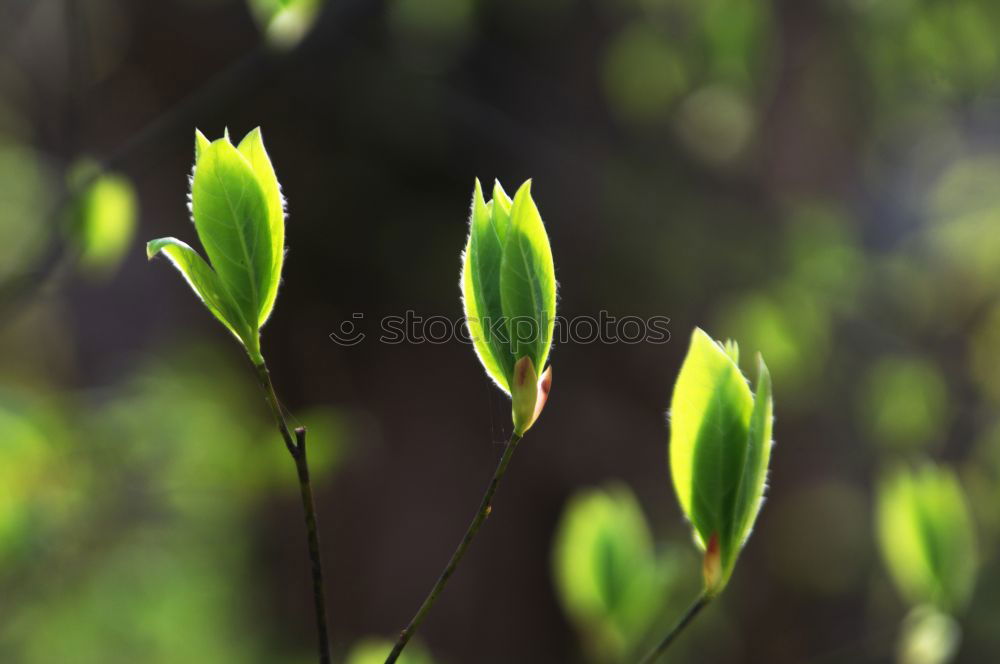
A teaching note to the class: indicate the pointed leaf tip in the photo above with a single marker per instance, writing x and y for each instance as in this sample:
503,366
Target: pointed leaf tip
201,144
253,149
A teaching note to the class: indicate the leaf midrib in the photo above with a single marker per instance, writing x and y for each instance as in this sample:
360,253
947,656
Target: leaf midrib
255,301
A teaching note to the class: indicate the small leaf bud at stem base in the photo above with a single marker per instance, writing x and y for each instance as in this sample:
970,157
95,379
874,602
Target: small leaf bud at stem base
528,394
712,567
523,395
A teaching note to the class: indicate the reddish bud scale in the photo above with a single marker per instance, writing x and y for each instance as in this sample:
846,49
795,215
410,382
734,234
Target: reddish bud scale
712,566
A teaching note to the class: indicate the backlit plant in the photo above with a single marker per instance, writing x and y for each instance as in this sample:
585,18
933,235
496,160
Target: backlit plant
720,432
926,536
608,577
239,216
509,293
720,445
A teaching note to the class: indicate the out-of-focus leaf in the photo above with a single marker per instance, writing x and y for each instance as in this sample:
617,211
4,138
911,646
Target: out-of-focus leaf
720,440
609,580
928,637
38,493
926,536
104,218
285,22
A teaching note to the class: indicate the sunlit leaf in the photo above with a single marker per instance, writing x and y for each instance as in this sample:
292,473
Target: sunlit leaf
201,144
204,282
528,281
252,147
509,295
926,536
720,440
231,216
238,212
481,286
750,490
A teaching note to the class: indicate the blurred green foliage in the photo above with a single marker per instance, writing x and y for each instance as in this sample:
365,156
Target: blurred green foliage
818,180
610,580
927,537
26,187
926,51
698,67
131,525
903,402
103,219
285,22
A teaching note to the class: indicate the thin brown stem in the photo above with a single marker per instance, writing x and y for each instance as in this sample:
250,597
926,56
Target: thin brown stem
485,507
297,448
685,620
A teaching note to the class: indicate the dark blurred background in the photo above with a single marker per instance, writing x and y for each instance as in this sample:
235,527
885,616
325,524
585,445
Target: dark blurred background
818,180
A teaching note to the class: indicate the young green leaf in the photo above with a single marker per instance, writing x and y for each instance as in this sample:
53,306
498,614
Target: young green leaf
528,281
204,282
238,213
481,287
720,442
926,536
252,147
509,294
607,575
231,217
